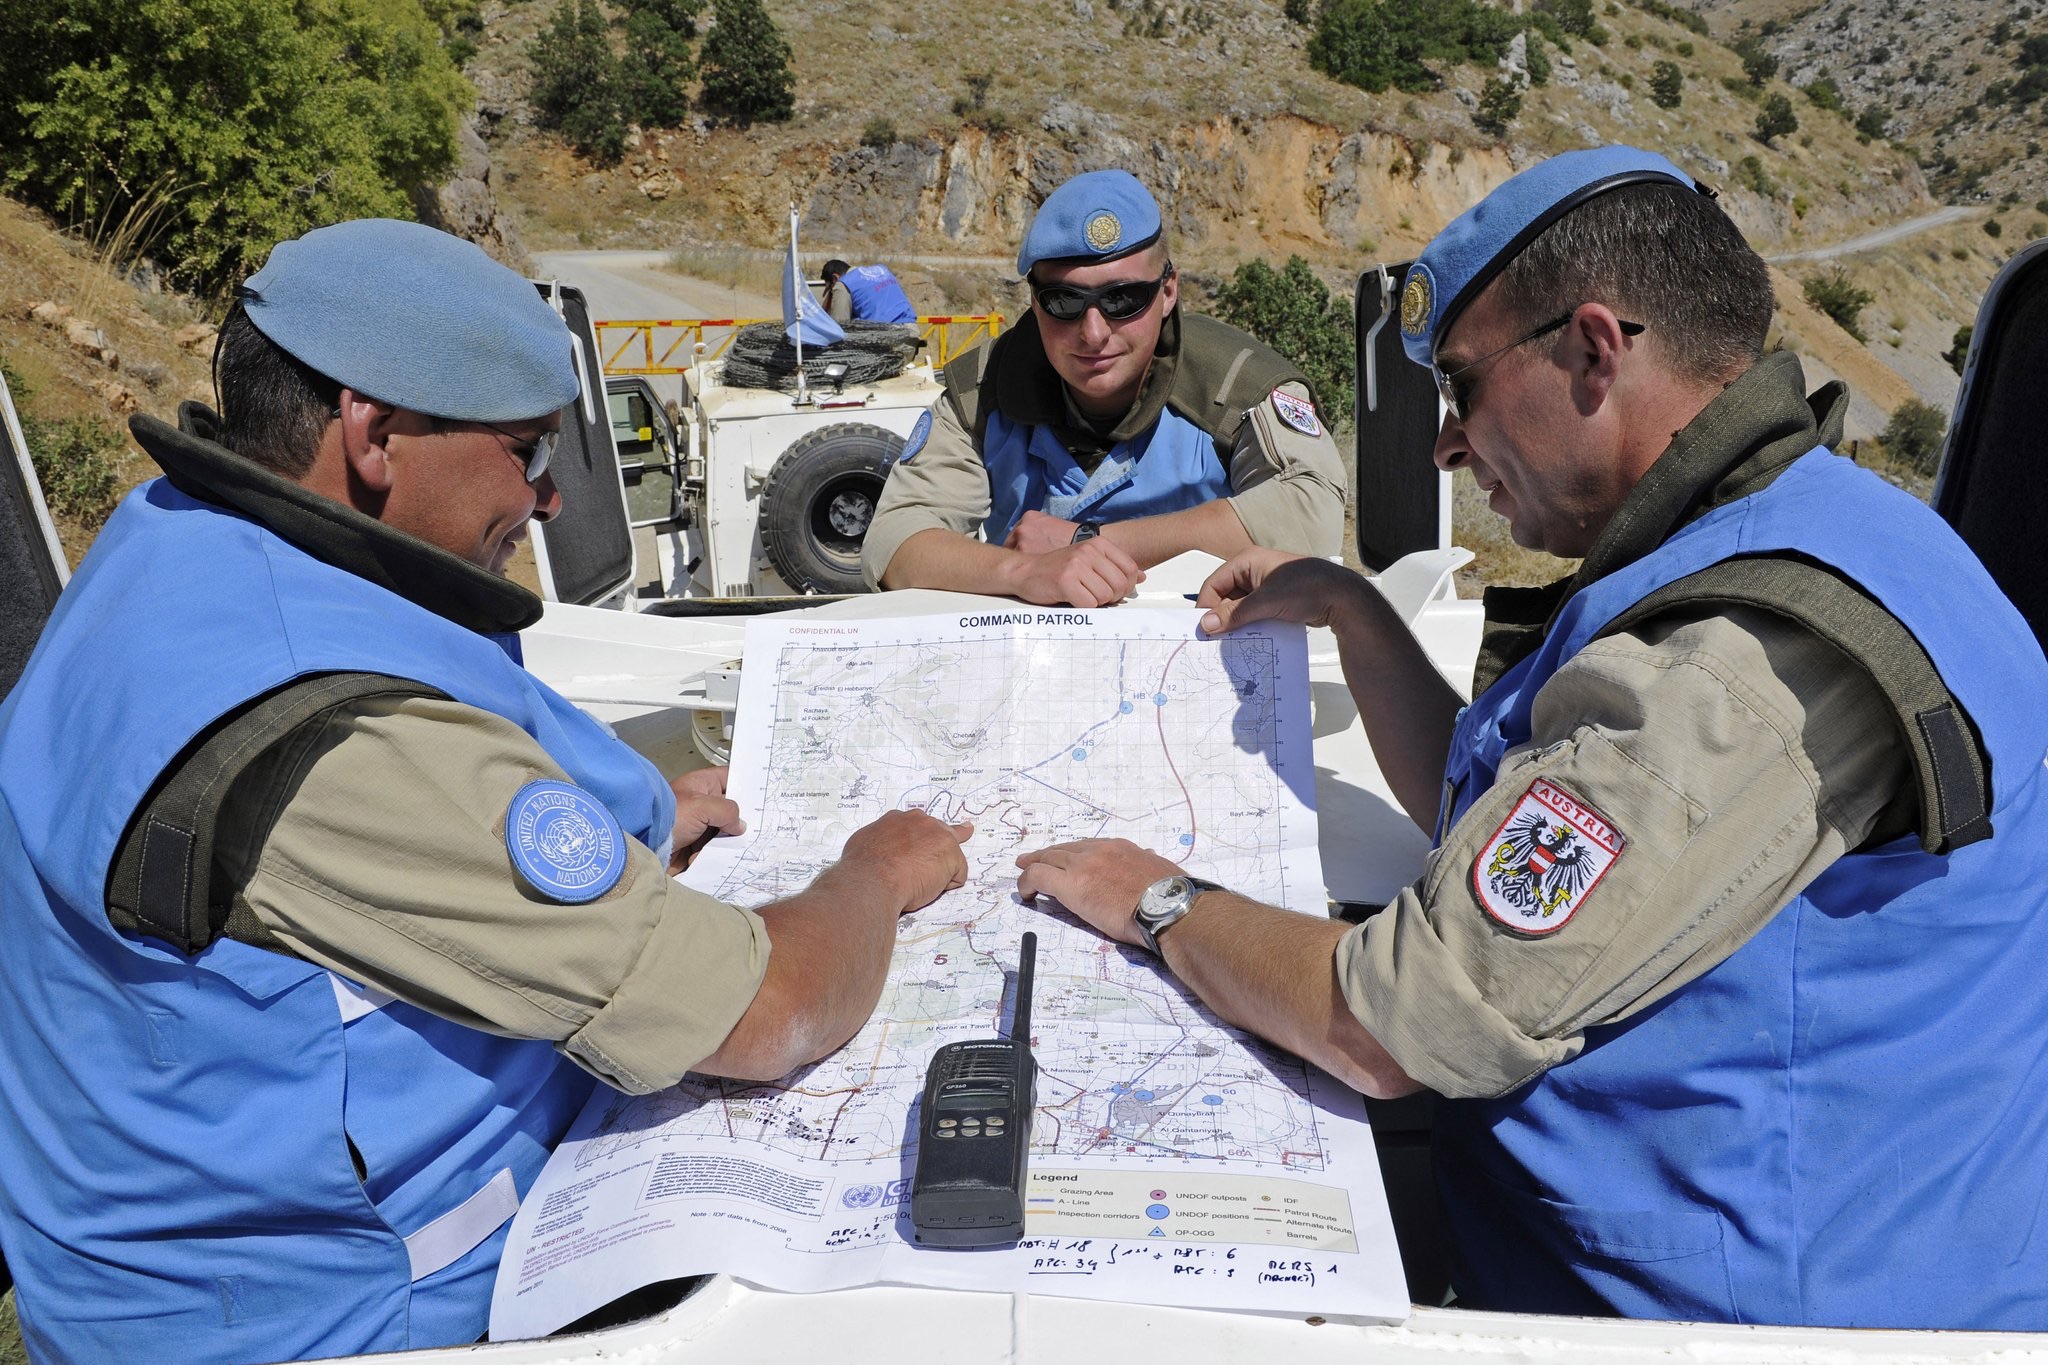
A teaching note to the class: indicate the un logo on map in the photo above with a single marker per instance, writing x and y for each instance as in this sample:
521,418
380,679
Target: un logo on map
564,842
861,1196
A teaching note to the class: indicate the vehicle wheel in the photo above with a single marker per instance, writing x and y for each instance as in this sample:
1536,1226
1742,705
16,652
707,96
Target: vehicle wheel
818,501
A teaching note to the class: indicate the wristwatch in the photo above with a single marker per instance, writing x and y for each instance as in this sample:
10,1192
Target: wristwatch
1086,530
1164,902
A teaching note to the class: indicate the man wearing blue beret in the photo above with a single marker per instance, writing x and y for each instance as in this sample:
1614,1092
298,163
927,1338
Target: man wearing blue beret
323,916
1725,962
1107,432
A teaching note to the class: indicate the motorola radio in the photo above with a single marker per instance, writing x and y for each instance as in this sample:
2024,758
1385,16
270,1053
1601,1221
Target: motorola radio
974,1133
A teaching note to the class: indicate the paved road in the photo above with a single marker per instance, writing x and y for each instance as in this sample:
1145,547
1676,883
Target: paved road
638,284
1882,237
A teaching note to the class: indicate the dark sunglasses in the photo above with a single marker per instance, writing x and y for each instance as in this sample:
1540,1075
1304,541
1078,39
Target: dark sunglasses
1446,381
1118,302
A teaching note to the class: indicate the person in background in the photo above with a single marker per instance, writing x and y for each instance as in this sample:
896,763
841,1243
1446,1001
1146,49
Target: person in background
865,293
1107,432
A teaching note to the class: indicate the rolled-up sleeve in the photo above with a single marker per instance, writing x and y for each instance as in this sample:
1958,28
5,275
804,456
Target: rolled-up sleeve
378,851
943,486
1735,756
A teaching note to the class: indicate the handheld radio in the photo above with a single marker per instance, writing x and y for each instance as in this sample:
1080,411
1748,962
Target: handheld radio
974,1133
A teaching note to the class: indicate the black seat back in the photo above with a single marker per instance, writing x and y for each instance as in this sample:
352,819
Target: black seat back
585,554
1404,500
1993,484
32,569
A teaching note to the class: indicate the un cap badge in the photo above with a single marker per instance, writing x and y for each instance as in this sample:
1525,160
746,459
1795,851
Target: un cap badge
564,842
1104,231
1416,301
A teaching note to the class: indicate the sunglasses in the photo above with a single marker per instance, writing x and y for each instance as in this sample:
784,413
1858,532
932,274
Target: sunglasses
1447,381
1117,302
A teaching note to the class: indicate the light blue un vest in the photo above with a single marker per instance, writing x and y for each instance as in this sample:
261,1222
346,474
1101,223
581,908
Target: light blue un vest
1170,466
176,1172
876,296
1845,1122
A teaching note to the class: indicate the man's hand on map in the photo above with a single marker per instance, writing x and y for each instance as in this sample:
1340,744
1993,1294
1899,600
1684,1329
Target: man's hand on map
702,812
1039,533
1274,585
1100,880
1094,573
916,853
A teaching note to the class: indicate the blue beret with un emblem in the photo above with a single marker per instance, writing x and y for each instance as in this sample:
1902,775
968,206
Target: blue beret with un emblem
1462,260
417,318
564,841
1096,216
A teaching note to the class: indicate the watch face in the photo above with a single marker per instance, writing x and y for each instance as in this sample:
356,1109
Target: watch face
1162,896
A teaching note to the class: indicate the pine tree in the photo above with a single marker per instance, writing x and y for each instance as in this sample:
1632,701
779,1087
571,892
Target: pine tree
746,64
576,86
658,66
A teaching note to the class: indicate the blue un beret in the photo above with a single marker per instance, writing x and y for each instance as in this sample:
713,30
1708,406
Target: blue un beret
416,318
1096,216
1463,258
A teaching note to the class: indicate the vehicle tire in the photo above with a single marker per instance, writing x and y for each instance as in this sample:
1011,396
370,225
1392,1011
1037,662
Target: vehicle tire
818,501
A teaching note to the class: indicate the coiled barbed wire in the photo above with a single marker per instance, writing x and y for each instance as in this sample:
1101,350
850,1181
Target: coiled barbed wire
761,357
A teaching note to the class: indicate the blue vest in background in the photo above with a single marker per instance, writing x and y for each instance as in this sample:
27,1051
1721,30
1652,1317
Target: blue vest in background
178,1135
1845,1122
1170,466
875,295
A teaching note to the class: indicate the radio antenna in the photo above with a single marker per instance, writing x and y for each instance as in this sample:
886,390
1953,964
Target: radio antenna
1027,961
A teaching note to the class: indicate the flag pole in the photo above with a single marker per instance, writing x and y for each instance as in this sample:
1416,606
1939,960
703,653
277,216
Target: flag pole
797,284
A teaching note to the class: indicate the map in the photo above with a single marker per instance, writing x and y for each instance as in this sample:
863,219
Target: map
1038,726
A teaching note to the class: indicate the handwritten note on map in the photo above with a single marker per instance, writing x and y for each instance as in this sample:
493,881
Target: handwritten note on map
1174,1159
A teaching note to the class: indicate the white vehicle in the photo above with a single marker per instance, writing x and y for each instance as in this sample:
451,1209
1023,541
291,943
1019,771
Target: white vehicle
645,672
756,491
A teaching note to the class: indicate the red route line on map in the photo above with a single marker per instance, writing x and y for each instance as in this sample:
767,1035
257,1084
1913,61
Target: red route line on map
1167,750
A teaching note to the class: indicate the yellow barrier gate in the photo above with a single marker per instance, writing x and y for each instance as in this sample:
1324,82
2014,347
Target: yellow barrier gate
669,345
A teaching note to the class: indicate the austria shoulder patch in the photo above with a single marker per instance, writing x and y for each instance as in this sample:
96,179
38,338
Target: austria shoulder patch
1298,413
564,842
1544,860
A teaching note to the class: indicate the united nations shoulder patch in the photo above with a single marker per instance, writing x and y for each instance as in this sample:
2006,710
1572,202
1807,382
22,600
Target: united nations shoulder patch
564,842
1415,303
1544,860
1298,413
1104,231
920,432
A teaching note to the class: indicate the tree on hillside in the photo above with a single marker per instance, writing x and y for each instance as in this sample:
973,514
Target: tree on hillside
658,65
1291,311
1376,43
746,64
1667,84
1913,435
202,132
1775,119
1757,62
1500,103
1840,297
577,90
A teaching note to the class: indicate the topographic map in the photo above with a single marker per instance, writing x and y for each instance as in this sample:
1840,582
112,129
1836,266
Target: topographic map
1038,726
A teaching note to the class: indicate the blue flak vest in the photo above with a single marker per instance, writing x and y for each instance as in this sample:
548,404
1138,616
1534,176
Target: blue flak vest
876,296
178,1134
1170,466
1846,1122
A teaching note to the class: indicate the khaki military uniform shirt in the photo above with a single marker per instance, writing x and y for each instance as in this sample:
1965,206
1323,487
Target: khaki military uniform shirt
377,850
1287,487
1738,754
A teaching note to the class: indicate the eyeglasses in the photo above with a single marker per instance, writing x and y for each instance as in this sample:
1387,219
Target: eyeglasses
1117,302
542,448
1446,381
534,453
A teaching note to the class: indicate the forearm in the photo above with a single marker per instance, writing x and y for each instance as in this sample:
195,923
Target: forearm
1211,526
829,955
1408,708
1272,972
946,559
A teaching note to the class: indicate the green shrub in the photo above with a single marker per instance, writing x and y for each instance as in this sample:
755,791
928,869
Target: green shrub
1291,311
1573,16
1873,121
202,132
1667,83
1993,228
1823,93
1913,435
1958,352
879,132
1775,119
1500,103
577,90
746,64
1840,297
1751,175
1373,44
1758,65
